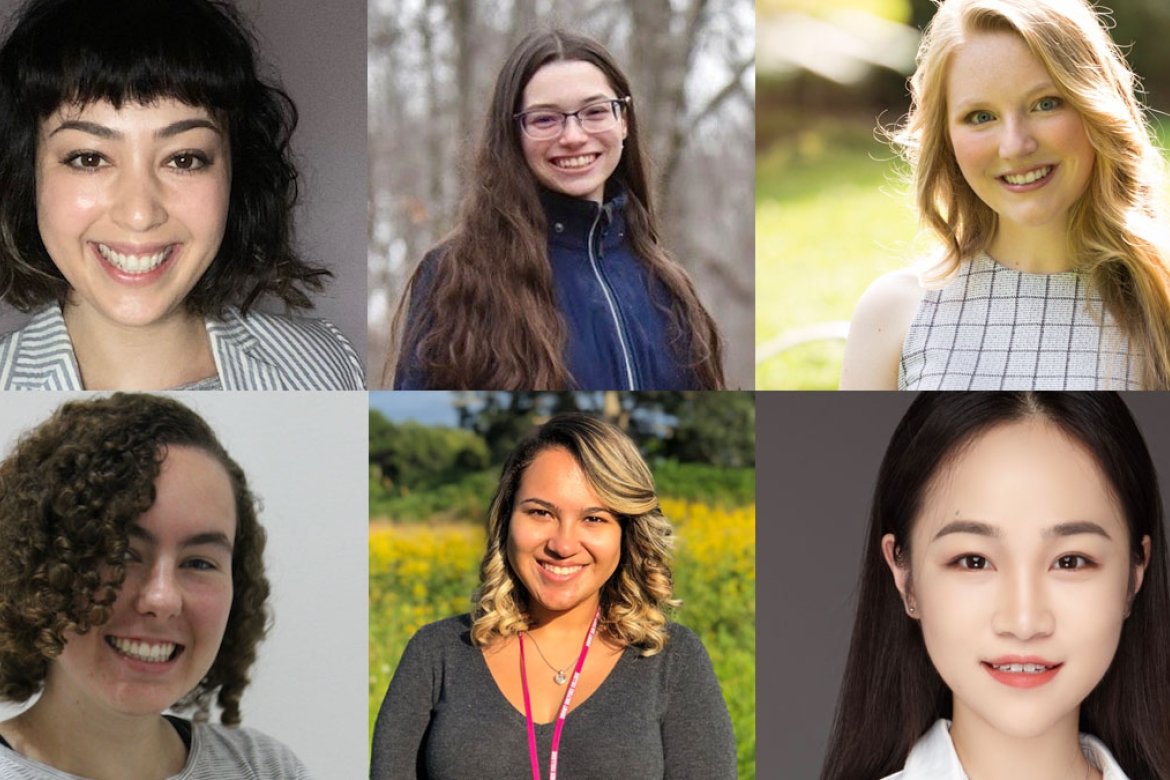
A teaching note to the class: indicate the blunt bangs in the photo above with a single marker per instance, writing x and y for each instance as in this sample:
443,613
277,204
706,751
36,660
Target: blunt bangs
82,53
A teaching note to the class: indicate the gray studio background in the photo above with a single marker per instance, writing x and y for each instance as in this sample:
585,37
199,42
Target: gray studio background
818,457
318,51
305,458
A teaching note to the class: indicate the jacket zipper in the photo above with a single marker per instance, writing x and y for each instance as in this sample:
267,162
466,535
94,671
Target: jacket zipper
617,323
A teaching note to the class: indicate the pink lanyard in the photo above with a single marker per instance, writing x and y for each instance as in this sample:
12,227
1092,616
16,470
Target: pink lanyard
533,759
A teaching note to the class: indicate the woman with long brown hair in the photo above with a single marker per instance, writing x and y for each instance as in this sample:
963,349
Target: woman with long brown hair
555,275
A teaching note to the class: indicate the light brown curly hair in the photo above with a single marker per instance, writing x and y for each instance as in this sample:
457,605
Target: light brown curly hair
69,492
635,600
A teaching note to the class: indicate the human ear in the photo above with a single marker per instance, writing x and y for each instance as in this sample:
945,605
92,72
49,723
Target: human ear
900,571
1138,574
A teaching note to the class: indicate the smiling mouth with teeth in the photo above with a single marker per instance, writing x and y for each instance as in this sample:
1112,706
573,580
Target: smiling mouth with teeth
1021,668
1027,178
134,264
562,571
580,161
150,652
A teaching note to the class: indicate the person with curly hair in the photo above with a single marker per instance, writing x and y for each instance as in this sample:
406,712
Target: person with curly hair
1034,164
555,276
131,582
568,659
148,205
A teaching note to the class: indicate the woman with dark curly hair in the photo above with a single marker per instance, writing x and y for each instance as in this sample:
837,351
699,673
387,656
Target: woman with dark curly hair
555,275
131,582
148,201
569,659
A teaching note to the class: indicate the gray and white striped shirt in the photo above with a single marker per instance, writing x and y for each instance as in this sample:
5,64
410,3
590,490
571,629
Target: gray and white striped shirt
258,351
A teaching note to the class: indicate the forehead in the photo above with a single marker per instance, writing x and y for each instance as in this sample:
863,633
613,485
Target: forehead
193,494
130,115
1022,477
566,83
990,65
555,471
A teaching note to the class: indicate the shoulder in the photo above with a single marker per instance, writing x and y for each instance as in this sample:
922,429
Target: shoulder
440,636
311,353
1100,757
933,757
879,326
222,751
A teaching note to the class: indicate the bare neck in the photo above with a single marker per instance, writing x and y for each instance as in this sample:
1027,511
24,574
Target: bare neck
569,625
988,754
1038,250
165,354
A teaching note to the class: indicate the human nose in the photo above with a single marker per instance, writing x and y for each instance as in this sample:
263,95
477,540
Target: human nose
1023,610
563,541
573,131
159,594
138,200
1017,139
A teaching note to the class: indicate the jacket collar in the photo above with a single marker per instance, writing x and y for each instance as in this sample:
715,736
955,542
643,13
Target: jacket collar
570,220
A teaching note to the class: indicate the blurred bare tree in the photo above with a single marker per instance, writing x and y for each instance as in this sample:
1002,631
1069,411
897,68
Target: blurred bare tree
432,65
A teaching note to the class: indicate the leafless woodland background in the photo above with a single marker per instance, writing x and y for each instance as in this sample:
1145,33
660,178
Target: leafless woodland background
432,65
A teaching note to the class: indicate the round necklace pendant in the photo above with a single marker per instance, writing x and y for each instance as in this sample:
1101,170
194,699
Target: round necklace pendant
559,678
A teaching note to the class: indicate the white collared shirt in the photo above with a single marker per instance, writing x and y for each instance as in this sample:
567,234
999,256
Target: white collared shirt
933,757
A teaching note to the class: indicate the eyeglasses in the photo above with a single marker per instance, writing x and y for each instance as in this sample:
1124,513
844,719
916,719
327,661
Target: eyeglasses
543,124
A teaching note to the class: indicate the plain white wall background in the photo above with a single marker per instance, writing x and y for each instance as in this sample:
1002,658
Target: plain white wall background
305,458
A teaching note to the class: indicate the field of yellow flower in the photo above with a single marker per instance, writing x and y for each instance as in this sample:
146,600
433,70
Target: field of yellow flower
423,573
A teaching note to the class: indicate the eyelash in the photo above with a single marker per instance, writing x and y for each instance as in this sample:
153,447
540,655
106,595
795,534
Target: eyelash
197,160
971,118
965,561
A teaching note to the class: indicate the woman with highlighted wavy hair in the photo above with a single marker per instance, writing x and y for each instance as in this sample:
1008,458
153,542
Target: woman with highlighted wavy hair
569,658
1033,164
131,585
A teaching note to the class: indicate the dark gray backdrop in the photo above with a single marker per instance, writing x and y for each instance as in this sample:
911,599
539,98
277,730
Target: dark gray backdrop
319,51
818,456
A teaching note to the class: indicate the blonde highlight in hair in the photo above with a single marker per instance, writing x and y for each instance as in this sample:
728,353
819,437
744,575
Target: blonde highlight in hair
1116,238
635,600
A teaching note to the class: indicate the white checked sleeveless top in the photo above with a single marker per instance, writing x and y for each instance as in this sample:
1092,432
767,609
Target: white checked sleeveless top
993,328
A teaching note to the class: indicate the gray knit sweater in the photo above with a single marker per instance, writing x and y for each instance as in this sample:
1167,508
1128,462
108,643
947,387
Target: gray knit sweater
444,718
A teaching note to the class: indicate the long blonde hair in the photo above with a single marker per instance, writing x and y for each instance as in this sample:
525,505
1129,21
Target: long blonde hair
1115,233
635,599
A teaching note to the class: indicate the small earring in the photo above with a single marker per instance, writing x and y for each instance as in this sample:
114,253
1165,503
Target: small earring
910,608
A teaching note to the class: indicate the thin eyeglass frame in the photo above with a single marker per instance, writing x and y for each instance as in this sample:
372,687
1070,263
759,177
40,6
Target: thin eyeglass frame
615,103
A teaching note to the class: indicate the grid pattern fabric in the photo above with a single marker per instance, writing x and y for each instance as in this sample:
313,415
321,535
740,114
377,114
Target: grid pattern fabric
993,328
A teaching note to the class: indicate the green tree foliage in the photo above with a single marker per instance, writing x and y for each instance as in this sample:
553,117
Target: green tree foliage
409,457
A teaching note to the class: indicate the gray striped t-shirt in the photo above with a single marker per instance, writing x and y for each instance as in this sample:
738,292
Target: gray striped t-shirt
217,753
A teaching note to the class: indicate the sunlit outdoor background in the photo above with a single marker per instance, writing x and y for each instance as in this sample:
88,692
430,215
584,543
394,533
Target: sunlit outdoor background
435,460
431,68
833,211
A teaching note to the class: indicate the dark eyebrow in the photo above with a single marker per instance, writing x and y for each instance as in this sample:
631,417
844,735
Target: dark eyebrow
183,125
93,128
589,510
101,131
1072,529
598,98
967,527
216,538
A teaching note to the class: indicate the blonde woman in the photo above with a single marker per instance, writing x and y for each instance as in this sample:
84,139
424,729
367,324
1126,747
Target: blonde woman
1033,163
568,662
